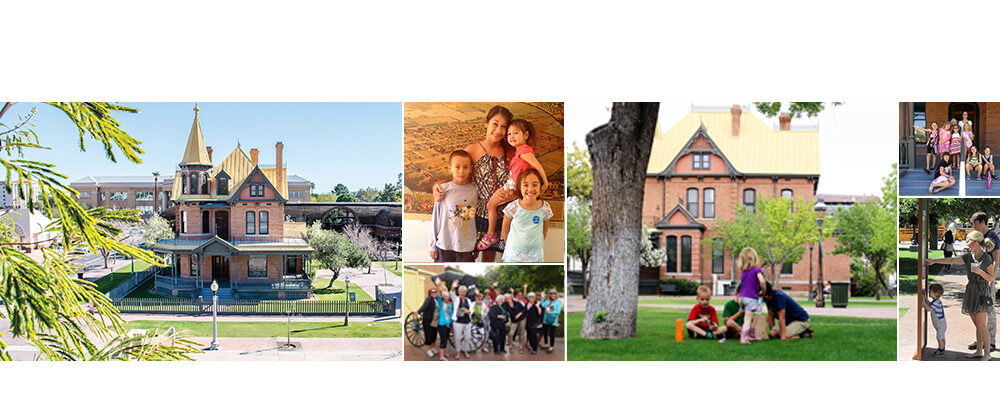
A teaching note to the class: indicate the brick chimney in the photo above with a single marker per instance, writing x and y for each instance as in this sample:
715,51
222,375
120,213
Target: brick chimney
736,111
209,148
784,121
279,170
253,155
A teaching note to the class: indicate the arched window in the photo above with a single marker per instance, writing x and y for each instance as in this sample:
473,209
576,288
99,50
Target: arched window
194,183
223,185
709,204
257,267
750,199
787,193
686,254
204,183
692,201
263,224
671,254
251,225
184,183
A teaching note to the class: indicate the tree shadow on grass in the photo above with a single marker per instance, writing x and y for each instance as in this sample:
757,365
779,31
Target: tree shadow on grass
328,291
332,326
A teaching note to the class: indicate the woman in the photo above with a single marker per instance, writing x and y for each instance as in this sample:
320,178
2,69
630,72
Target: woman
550,320
533,322
977,299
462,317
445,311
427,313
490,170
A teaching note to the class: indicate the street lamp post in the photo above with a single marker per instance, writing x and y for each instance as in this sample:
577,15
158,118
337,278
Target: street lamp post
347,293
810,270
820,209
215,322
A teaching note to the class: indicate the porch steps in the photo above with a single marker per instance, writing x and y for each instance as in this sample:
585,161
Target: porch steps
225,294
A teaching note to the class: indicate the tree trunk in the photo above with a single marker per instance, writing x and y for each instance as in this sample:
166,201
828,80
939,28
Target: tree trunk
619,154
336,273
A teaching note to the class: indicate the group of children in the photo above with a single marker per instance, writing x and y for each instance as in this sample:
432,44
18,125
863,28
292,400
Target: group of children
947,143
525,218
738,313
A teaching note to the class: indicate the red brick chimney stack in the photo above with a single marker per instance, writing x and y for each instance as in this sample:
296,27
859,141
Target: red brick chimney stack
253,155
785,121
209,148
736,111
279,172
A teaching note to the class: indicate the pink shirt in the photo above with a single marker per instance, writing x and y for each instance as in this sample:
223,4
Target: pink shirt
518,164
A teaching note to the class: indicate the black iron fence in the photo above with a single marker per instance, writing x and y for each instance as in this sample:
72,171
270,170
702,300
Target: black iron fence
255,307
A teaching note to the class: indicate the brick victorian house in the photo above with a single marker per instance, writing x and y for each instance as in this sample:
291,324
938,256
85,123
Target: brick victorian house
707,164
231,228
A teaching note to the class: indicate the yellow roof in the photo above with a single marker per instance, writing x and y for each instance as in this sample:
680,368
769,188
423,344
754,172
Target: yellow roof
758,149
196,153
238,166
271,175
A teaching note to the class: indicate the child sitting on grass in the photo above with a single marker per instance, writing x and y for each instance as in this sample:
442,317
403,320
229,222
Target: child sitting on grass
937,315
702,321
732,316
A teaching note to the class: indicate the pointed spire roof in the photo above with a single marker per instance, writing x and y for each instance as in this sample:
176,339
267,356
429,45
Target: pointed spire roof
196,154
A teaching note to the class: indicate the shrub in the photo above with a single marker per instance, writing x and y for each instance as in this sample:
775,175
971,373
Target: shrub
684,286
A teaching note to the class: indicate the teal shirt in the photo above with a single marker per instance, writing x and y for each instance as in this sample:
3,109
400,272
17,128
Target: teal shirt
552,310
525,240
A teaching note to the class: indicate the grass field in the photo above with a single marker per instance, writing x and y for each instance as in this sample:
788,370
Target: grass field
109,282
719,302
835,338
908,270
337,292
273,329
902,311
393,267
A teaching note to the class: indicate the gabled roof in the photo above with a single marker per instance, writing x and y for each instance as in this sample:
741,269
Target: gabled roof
269,181
691,221
271,175
196,154
700,133
758,149
237,166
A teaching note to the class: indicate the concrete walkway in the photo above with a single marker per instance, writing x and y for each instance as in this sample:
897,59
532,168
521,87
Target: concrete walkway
580,305
960,332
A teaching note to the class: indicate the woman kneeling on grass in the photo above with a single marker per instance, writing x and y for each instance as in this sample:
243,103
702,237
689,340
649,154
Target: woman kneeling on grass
978,298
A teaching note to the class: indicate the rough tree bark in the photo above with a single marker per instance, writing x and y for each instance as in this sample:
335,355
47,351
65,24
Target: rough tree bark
619,153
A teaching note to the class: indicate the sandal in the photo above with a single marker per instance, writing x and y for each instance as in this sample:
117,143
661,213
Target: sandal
487,241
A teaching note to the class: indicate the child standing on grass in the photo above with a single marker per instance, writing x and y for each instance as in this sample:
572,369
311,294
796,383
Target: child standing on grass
526,221
703,322
751,288
520,135
937,315
453,232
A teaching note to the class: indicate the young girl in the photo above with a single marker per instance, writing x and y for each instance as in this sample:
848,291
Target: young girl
973,163
956,145
526,221
520,135
932,145
751,287
987,161
942,175
967,135
944,141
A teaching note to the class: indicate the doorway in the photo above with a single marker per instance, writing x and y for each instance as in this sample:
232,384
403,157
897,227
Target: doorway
222,224
955,111
220,269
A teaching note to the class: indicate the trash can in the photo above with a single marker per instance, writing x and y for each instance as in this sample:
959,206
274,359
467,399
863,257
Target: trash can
839,292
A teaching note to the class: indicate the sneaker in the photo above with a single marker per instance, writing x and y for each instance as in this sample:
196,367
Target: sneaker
430,353
710,335
972,347
939,353
722,340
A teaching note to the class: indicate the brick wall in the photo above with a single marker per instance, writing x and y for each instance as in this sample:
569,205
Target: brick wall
275,218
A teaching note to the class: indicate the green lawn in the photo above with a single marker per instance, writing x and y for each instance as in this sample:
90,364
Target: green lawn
908,270
718,302
273,329
337,292
902,311
394,267
145,291
836,338
109,282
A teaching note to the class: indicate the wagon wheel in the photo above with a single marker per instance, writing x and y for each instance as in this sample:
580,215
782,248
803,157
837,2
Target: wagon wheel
414,330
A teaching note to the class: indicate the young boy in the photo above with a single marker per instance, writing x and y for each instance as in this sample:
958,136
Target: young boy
702,321
453,229
937,315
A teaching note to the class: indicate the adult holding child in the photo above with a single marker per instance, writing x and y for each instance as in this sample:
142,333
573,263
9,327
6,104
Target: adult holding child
490,169
978,299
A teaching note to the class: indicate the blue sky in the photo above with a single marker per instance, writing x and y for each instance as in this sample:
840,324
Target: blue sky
357,144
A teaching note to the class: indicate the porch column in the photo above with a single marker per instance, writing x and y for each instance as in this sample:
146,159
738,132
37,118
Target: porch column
234,271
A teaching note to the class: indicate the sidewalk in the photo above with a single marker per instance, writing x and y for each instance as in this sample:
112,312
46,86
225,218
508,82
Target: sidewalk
269,349
960,332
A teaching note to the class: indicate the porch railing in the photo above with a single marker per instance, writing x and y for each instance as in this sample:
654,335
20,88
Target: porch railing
184,285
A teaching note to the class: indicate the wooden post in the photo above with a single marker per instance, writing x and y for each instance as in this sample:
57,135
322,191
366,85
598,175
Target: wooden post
921,277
